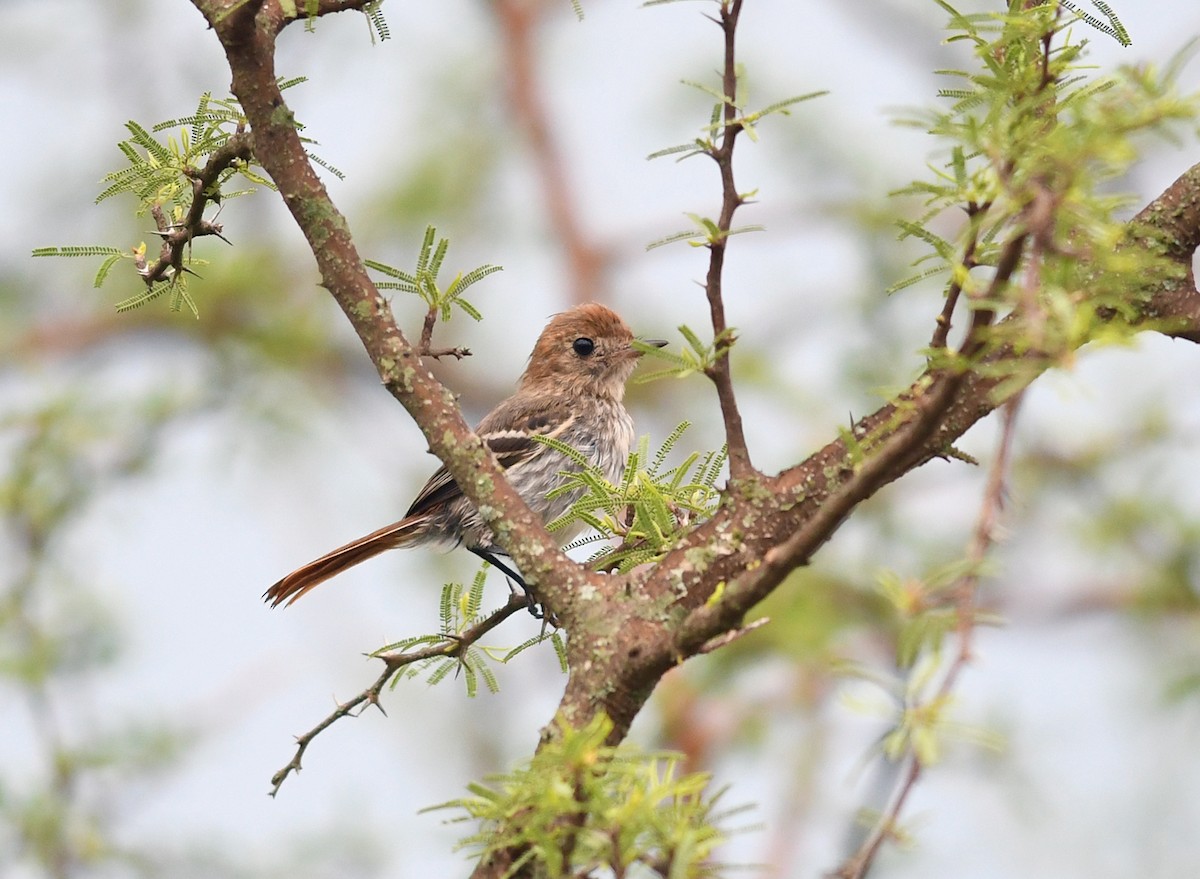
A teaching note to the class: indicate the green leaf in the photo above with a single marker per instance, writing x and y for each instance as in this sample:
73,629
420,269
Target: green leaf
696,147
147,142
147,295
423,281
105,266
940,269
72,250
632,812
687,235
328,167
710,91
560,650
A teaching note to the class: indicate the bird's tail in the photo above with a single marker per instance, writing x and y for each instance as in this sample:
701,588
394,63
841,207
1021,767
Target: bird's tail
299,581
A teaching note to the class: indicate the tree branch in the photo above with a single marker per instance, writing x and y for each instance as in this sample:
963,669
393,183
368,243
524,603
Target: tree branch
965,590
328,7
425,345
453,646
734,559
817,495
177,237
740,468
923,409
1171,225
941,330
249,44
626,631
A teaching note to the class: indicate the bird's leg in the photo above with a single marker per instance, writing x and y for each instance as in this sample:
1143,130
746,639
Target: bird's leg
491,558
513,577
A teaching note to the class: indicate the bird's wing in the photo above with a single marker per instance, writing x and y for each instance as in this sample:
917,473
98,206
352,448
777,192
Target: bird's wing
508,430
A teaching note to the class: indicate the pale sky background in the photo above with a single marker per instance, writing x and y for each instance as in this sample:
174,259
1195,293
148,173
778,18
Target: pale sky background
182,554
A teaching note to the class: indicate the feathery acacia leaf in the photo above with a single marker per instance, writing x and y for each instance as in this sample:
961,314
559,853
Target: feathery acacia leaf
164,163
696,147
423,281
638,811
77,250
651,507
1031,126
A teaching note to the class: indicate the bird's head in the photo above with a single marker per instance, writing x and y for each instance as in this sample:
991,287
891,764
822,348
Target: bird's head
587,350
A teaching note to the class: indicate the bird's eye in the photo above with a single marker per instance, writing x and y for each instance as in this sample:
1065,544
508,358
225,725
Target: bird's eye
583,346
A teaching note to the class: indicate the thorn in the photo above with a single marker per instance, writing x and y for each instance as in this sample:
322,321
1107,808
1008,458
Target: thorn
206,227
729,637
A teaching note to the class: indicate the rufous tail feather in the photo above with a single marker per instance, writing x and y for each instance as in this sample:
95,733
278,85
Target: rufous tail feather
333,563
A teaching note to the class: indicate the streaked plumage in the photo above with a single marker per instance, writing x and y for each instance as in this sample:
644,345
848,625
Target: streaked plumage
572,390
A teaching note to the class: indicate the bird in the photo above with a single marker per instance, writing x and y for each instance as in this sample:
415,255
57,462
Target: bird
572,390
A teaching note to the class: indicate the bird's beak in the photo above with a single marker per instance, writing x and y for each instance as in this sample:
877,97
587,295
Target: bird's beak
636,352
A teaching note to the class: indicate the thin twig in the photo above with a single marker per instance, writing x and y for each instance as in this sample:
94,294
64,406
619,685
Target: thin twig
740,467
929,405
732,635
965,592
328,7
424,346
453,646
177,237
941,331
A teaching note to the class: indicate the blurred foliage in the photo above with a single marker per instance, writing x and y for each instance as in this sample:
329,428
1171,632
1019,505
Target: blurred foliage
83,765
450,184
588,808
262,351
55,638
74,430
894,633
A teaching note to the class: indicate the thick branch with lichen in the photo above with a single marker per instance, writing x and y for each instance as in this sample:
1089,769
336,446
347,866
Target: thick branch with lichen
705,586
627,631
729,563
248,34
810,501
